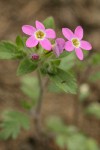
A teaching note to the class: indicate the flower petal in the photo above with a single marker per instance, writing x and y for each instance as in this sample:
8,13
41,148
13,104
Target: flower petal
79,53
86,45
29,30
50,33
56,50
59,46
69,46
60,42
79,32
39,25
31,42
67,33
46,44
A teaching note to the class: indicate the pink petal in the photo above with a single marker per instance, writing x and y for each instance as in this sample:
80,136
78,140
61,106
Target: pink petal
29,30
79,53
39,25
69,46
67,33
50,33
60,42
31,42
46,44
79,32
59,46
86,45
56,50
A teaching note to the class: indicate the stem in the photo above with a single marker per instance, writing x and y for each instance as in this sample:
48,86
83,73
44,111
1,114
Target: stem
38,108
76,109
39,105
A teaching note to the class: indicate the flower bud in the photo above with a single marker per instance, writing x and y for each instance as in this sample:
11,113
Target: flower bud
34,56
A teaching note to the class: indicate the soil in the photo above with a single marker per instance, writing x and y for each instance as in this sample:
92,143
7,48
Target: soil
13,14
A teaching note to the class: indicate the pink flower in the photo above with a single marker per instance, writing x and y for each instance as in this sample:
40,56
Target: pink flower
38,35
75,41
59,46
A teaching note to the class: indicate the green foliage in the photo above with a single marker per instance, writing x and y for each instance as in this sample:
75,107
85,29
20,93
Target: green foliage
30,87
50,67
55,62
26,104
49,22
26,66
67,62
12,123
95,76
91,144
69,137
20,42
55,124
54,88
65,81
10,51
93,109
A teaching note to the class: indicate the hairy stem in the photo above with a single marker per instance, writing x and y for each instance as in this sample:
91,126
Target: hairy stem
39,104
38,108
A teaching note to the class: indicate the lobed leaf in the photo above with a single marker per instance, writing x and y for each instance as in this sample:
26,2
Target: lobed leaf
49,22
65,81
68,137
26,66
67,62
12,123
20,42
10,51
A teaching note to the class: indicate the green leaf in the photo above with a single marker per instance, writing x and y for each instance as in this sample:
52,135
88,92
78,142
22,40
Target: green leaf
49,23
76,142
19,42
68,137
55,62
30,87
54,88
10,51
65,81
26,66
12,123
61,141
91,144
67,62
55,124
26,104
93,109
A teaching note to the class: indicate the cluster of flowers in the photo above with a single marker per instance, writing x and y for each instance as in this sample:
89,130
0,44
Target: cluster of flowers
40,35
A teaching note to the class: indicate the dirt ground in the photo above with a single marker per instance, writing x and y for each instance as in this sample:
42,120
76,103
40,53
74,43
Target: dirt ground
70,13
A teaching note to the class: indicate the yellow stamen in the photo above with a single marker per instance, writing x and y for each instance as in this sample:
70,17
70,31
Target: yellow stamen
76,42
39,34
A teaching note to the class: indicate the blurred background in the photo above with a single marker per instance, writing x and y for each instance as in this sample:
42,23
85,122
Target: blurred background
67,13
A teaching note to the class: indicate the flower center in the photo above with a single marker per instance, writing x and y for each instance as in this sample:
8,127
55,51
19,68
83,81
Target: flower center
39,35
76,42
